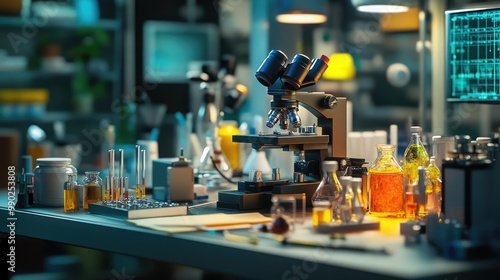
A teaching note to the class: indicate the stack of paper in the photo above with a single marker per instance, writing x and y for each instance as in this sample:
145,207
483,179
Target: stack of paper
190,223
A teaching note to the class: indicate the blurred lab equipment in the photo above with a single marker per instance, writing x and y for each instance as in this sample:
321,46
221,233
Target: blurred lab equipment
442,146
150,116
50,176
37,146
173,179
283,82
470,185
385,178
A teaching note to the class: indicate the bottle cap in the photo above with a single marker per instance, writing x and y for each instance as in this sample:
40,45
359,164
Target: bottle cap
415,129
330,166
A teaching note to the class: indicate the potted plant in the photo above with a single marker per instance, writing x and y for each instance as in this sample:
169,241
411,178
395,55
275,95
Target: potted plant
87,86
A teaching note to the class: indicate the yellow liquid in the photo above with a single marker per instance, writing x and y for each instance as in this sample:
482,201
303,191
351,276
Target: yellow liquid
138,192
415,156
91,194
321,215
231,149
71,200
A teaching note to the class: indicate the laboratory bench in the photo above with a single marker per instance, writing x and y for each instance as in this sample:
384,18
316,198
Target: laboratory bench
268,259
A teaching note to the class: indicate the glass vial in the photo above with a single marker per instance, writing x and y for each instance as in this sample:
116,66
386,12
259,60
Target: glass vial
71,197
92,188
435,196
345,205
385,179
328,194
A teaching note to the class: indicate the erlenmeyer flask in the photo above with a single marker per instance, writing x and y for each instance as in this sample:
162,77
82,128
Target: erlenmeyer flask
213,165
329,189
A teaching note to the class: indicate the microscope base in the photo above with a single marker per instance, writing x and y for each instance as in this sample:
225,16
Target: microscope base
241,200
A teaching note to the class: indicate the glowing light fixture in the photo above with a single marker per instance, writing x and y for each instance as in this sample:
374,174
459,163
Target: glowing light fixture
302,12
383,6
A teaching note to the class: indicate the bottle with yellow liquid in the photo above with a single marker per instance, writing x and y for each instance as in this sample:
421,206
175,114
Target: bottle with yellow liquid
92,188
415,155
71,197
385,179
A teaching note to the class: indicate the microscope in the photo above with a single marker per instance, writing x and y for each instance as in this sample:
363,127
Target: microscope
313,144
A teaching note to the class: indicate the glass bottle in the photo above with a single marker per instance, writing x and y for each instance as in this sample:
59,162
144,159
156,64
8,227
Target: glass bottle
345,204
434,197
92,188
71,197
356,168
385,179
327,196
415,155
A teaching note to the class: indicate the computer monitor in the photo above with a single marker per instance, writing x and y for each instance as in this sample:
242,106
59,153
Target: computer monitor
170,47
473,55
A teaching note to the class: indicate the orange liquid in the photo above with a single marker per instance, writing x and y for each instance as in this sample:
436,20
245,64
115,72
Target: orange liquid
386,194
411,205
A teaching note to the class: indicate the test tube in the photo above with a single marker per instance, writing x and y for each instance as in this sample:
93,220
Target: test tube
111,166
125,188
137,172
143,156
120,173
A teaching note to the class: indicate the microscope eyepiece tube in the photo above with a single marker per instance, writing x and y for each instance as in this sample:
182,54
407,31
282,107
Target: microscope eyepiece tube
271,68
296,72
318,67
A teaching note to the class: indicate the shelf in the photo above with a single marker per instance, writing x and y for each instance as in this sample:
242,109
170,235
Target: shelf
50,117
109,24
40,74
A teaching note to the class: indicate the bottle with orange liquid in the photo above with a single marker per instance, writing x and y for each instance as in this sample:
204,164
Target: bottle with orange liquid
386,189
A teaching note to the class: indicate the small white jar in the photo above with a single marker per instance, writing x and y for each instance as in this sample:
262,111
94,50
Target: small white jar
50,176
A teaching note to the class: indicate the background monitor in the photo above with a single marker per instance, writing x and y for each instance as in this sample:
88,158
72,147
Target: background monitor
170,47
473,55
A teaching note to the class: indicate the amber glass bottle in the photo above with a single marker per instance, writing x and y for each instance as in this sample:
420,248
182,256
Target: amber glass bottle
386,188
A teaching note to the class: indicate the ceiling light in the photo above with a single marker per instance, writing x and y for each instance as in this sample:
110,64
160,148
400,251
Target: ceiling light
383,6
302,11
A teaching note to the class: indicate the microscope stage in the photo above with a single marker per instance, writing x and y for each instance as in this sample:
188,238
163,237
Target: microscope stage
287,142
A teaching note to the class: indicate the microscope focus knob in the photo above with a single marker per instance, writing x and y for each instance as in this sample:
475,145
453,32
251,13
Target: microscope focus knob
330,102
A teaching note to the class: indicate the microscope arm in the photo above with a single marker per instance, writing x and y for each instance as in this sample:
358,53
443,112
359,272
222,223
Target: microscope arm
331,112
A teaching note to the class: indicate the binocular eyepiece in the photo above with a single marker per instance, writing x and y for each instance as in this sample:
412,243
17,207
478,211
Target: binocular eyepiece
301,72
